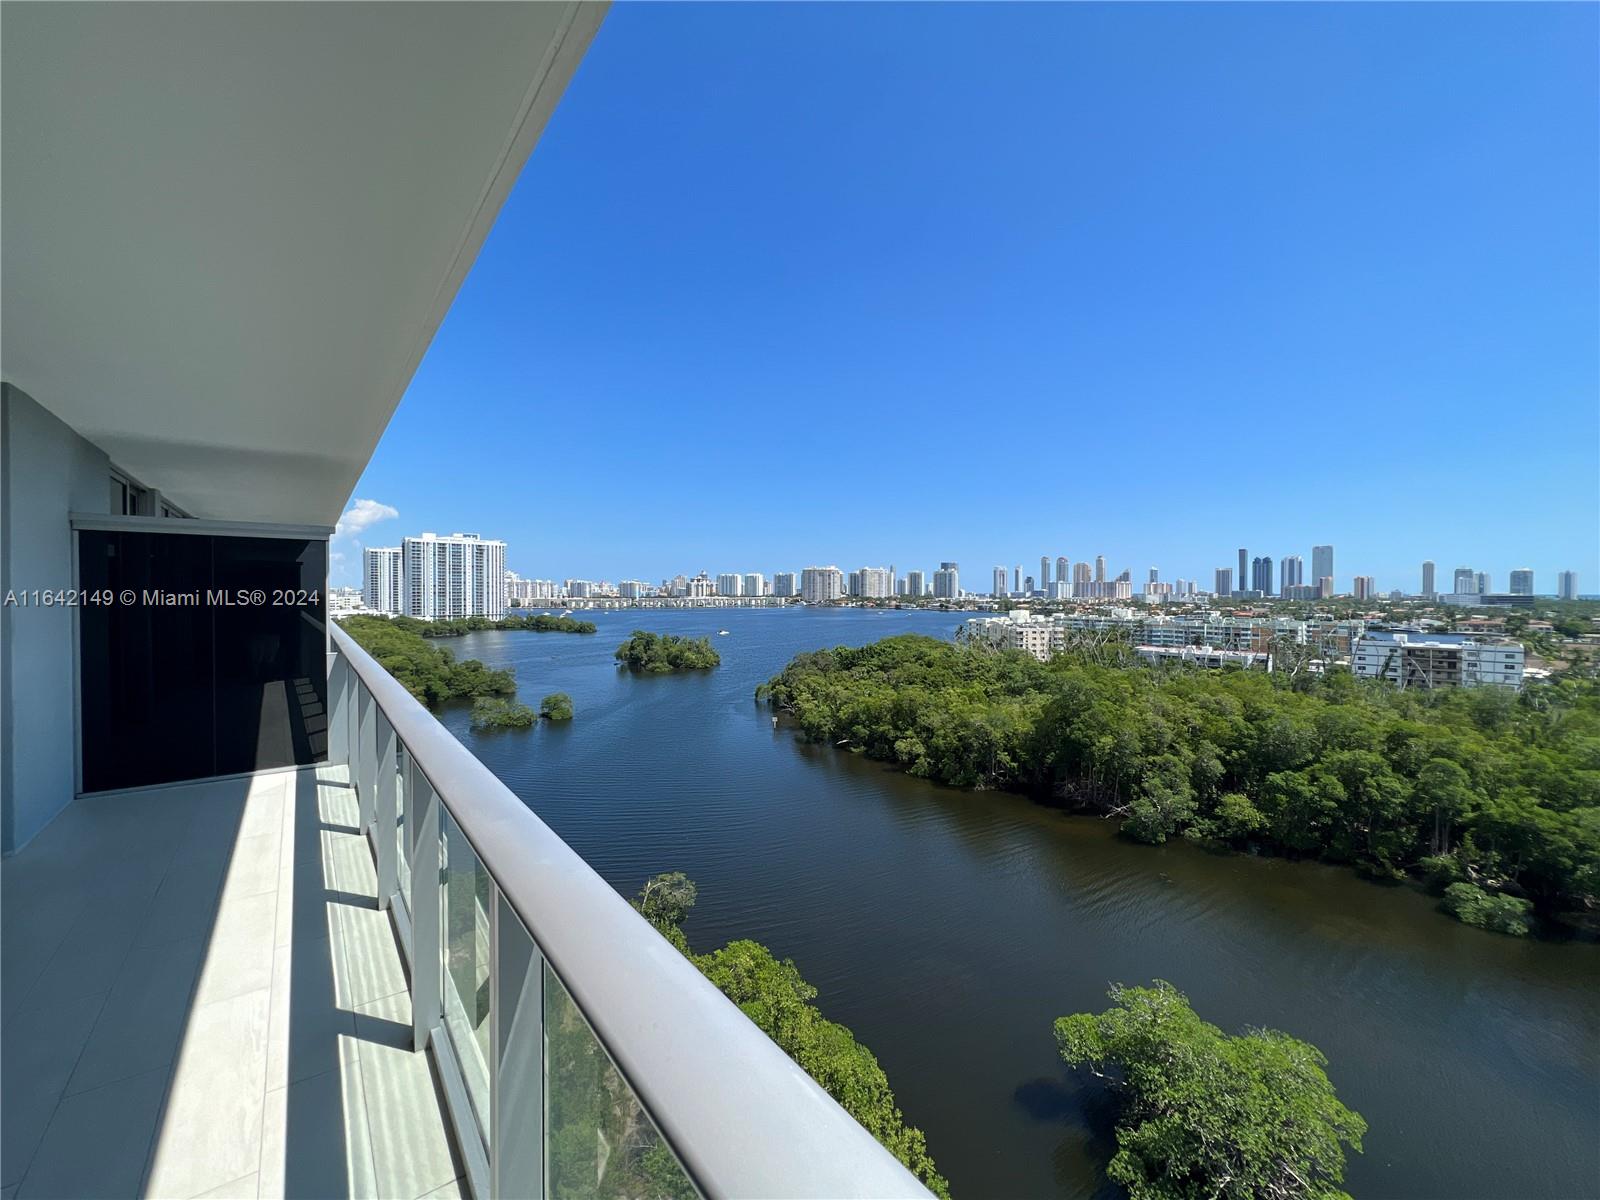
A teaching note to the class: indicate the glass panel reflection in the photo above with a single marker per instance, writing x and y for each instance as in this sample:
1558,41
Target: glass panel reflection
602,1144
464,921
402,820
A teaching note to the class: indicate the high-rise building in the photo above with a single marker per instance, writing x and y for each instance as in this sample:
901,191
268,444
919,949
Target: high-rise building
1366,587
873,583
1062,569
1465,581
947,581
1244,558
1027,586
1016,578
1522,581
755,584
916,584
1481,583
999,582
1567,585
1224,581
730,584
1428,588
785,584
1099,568
1155,575
1322,565
1291,572
381,578
818,585
1082,574
1044,570
1261,575
461,575
1325,587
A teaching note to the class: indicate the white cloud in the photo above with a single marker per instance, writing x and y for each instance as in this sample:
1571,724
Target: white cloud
361,515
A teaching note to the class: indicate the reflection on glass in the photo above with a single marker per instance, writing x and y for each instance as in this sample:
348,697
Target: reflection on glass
464,919
402,806
602,1142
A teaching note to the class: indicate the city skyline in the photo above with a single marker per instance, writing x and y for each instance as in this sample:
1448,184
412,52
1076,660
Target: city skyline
812,348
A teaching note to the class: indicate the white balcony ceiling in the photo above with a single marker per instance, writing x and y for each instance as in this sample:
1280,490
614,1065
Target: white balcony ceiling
231,230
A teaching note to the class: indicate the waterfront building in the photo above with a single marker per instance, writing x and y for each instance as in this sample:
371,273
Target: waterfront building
999,583
755,584
633,589
1465,581
342,600
730,584
819,585
916,584
1322,565
701,587
947,581
459,575
1223,585
872,583
785,584
382,579
1567,585
1428,660
1522,582
1428,588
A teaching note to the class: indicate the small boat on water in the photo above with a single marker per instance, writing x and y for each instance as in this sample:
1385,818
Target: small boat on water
722,633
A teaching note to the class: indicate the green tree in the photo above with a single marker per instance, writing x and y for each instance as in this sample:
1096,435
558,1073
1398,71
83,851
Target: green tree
492,712
659,653
557,706
1209,1115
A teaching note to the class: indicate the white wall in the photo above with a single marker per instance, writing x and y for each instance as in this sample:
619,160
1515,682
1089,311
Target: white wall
46,472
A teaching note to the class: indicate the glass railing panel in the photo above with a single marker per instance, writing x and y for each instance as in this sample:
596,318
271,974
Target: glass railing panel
464,900
518,1134
602,1144
403,819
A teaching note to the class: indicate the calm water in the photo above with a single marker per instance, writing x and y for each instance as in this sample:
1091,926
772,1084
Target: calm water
949,929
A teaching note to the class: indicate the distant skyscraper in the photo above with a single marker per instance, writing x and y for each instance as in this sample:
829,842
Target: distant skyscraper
1224,583
1522,581
1244,558
785,584
1292,569
457,576
381,587
873,583
1082,575
1427,578
947,581
1567,585
1027,586
1321,563
1062,569
1016,578
1465,582
1261,575
1099,568
1155,575
999,582
729,584
916,583
818,585
755,584
1365,587
1044,572
1482,584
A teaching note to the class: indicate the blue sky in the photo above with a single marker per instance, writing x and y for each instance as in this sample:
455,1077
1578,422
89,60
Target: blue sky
804,284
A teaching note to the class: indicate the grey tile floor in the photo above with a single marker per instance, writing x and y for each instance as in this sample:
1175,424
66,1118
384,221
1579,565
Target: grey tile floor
200,997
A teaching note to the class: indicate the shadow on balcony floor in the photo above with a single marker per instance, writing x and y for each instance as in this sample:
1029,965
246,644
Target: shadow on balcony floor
201,998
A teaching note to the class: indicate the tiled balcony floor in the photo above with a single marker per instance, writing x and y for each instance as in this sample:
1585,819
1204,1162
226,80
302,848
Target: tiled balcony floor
201,998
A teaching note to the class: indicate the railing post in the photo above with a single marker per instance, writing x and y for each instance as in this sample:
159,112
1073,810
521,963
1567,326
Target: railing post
427,958
386,793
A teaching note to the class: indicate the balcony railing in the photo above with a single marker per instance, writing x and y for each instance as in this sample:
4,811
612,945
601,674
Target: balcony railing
580,1053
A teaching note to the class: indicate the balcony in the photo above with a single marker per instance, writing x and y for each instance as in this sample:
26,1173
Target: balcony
379,977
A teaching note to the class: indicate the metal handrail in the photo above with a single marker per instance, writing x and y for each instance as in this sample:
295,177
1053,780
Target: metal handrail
743,1118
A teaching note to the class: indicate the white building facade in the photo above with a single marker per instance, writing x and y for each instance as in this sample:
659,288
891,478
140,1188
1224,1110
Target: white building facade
381,578
444,578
